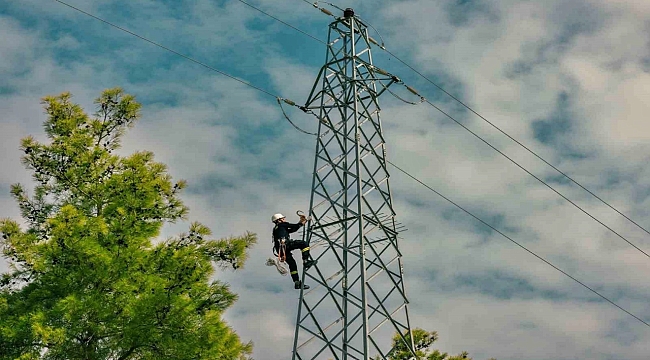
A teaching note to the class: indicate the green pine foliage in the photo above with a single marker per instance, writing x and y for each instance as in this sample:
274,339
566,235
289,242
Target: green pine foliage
422,340
87,280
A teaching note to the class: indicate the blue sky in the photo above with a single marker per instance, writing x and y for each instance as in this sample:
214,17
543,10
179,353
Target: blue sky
568,78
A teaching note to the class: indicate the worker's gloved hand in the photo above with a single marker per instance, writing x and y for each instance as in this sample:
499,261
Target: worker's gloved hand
303,219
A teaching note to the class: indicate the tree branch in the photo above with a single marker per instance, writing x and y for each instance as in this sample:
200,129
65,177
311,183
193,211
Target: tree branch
128,353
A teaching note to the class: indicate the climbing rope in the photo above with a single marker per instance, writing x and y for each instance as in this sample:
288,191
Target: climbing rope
278,265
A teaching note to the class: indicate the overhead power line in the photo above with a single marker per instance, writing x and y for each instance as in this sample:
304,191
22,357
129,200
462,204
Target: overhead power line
392,164
383,47
516,243
517,142
167,49
285,23
513,139
279,99
538,179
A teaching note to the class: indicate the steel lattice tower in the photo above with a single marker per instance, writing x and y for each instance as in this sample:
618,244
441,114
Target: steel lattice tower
357,301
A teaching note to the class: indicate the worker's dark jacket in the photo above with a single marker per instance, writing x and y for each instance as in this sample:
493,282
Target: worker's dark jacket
282,231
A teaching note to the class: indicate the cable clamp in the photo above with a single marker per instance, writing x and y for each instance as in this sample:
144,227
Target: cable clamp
381,71
416,93
381,46
292,103
286,101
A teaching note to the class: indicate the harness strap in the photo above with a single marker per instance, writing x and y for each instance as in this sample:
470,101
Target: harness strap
282,253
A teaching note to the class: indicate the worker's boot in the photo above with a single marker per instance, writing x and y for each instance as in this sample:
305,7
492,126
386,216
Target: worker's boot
309,263
296,285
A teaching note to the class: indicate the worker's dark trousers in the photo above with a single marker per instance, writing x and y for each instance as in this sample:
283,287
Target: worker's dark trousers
296,245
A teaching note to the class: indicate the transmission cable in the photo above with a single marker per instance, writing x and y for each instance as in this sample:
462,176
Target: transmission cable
392,164
324,10
280,101
537,178
511,138
285,23
476,217
383,47
278,98
168,49
519,143
515,242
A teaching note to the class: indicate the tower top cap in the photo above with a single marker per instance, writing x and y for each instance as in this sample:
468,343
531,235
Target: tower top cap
349,12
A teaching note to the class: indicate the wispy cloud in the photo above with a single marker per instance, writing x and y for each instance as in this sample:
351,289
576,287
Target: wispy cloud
570,79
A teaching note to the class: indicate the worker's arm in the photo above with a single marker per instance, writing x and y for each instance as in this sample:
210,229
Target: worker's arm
291,227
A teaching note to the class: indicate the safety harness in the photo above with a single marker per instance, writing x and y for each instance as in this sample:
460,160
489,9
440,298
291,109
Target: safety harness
281,250
282,256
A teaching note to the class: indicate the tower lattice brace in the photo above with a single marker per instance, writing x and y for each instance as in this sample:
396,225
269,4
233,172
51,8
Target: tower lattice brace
357,301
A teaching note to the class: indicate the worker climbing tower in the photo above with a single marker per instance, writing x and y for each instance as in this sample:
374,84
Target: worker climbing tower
357,301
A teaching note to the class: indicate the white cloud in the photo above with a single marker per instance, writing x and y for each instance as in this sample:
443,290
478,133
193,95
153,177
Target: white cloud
510,60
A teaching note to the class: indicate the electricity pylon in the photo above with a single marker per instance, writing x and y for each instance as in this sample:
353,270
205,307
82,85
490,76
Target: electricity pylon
357,301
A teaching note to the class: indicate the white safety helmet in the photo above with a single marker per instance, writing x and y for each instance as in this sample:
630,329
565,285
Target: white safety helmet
277,217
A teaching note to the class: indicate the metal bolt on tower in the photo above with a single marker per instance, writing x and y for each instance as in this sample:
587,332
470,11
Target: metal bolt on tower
357,301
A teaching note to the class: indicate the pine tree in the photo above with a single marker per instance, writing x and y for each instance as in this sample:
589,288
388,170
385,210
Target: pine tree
423,340
88,278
